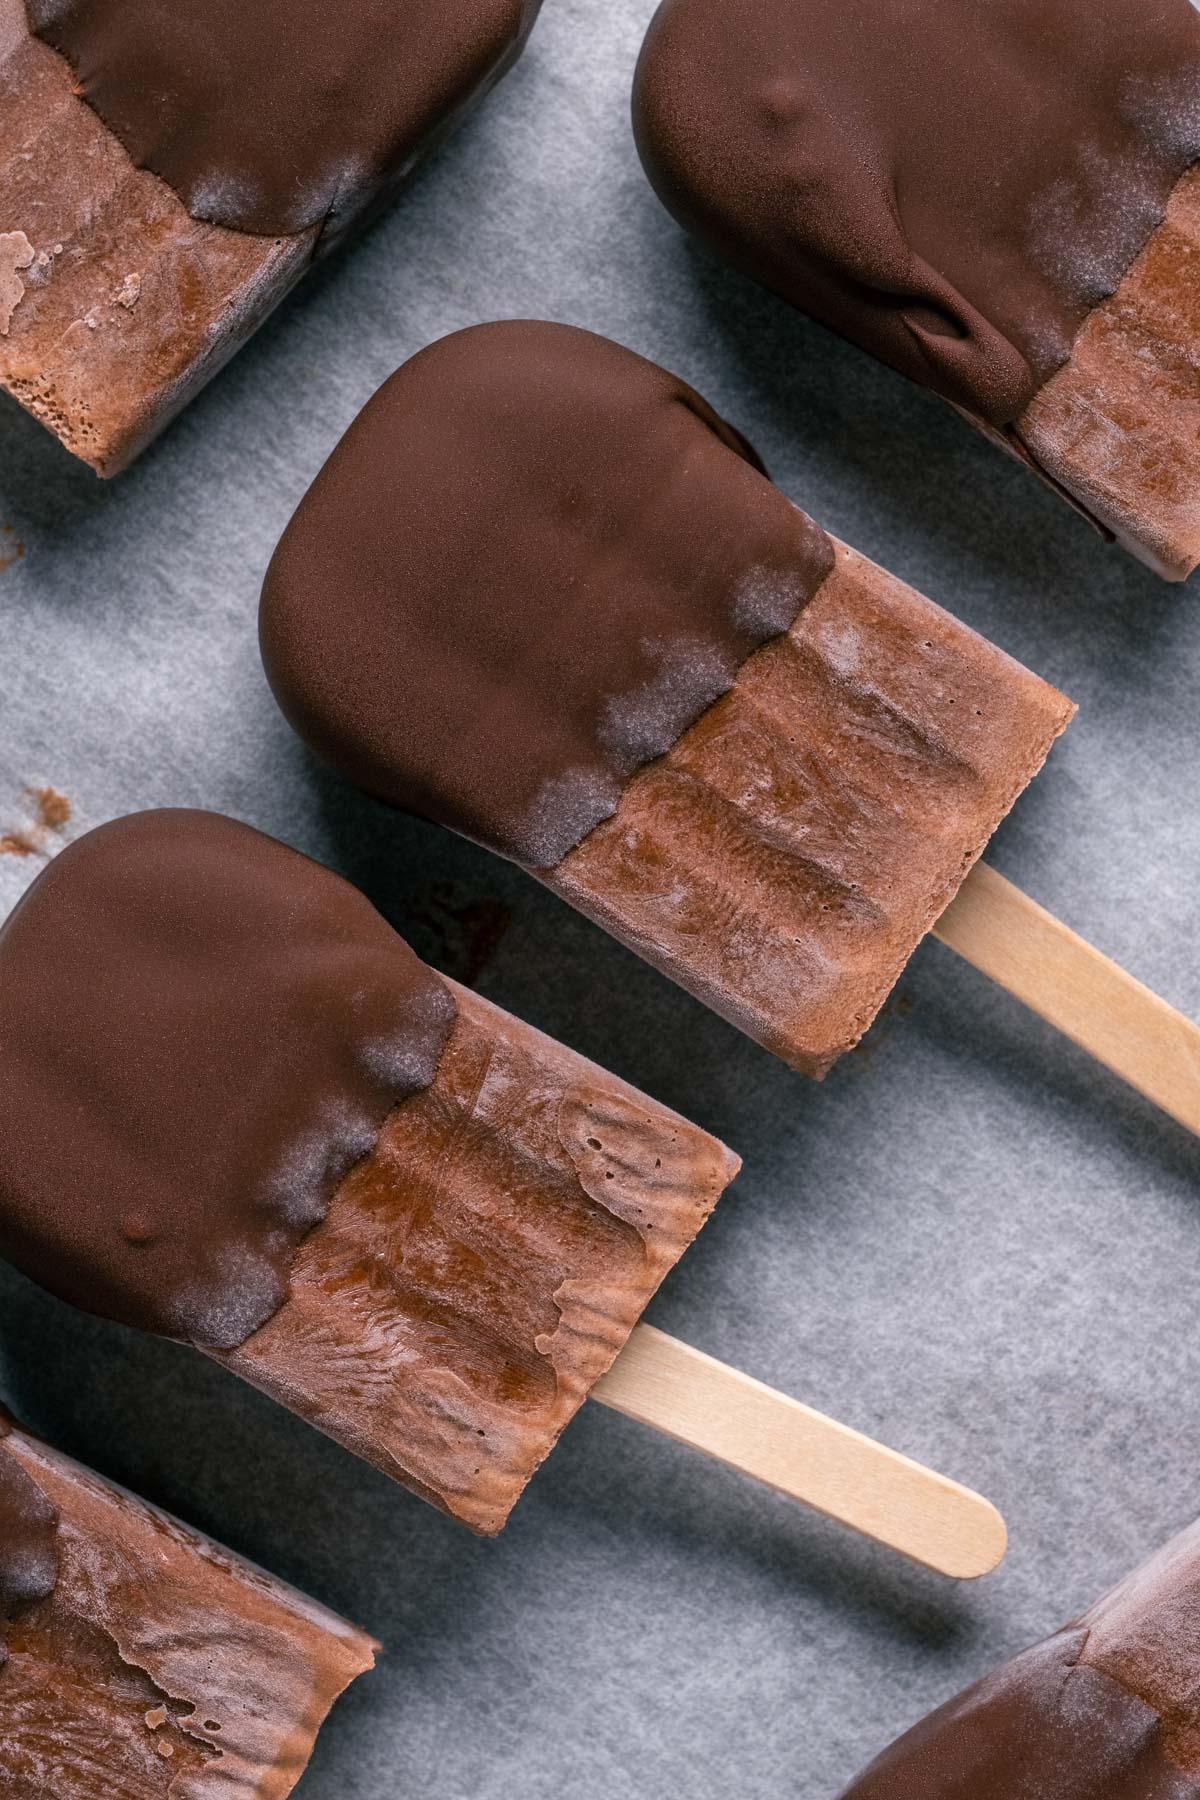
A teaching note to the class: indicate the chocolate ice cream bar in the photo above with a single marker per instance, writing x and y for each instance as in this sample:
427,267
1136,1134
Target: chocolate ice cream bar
998,201
416,1220
543,594
139,1659
235,1109
1107,1709
166,176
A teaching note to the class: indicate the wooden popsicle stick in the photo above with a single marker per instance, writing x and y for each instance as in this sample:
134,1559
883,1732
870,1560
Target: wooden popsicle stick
1001,931
801,1453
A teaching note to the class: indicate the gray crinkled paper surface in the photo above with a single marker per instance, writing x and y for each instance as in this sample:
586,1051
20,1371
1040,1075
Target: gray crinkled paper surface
969,1241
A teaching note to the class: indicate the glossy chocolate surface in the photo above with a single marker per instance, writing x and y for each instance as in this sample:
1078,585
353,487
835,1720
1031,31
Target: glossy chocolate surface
531,563
200,1032
277,115
951,185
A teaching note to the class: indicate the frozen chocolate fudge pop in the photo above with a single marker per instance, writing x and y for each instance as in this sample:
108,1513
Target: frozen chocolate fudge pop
1107,1709
139,1659
542,594
166,175
999,201
236,1110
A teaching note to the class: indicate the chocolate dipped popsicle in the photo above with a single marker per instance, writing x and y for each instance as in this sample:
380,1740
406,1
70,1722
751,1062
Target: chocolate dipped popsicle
542,594
140,1660
413,1219
1106,1709
166,176
235,1109
999,201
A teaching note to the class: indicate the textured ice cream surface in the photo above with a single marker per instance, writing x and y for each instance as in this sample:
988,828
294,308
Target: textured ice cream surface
483,1267
783,860
159,1667
28,1542
1118,427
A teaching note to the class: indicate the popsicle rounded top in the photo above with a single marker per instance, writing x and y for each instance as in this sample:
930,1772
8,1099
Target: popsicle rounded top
278,116
952,186
533,560
200,1031
1108,1706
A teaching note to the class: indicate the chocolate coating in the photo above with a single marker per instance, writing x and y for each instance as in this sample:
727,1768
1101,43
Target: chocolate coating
1023,1731
200,1032
275,115
28,1541
1106,1709
531,563
951,185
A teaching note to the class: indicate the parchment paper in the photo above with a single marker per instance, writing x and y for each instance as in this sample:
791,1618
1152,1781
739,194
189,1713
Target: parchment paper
969,1241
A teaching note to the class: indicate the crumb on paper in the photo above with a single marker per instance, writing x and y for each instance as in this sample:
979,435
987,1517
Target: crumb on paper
16,253
53,808
48,813
11,548
129,292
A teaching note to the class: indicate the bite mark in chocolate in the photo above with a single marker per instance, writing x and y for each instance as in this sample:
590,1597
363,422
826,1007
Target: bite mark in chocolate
28,1541
200,1032
952,186
533,561
275,117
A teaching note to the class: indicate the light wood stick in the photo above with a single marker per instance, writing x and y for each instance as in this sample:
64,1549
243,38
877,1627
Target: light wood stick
1001,931
801,1453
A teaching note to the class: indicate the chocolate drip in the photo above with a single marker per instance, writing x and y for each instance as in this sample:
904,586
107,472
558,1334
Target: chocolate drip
951,185
531,563
28,1541
200,1032
272,116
